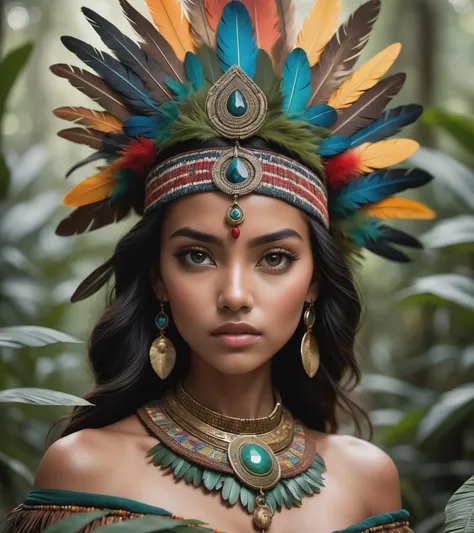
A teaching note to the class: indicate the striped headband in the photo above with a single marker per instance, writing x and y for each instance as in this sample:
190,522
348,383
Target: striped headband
237,171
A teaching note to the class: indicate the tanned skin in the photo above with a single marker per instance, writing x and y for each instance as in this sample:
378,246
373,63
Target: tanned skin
212,284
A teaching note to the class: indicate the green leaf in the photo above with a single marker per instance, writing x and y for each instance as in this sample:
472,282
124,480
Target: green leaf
180,471
18,467
75,523
4,178
148,524
407,426
448,172
10,68
33,336
452,407
168,458
294,489
40,397
441,289
303,484
378,383
190,474
460,510
458,126
197,479
457,231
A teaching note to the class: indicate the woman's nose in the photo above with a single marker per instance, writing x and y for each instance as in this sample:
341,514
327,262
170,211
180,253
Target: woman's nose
235,290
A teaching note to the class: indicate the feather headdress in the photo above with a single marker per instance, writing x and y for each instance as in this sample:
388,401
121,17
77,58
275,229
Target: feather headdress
330,115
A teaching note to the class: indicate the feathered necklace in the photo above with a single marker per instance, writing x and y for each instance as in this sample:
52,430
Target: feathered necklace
264,463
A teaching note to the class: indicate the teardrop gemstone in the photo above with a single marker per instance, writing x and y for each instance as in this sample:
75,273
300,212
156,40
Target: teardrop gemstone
161,321
255,458
237,104
236,172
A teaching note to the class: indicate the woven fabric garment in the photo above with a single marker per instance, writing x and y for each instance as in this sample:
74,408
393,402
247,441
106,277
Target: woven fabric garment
43,507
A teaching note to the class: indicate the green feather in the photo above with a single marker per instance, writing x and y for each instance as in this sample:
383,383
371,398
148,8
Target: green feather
168,458
197,479
276,493
265,76
315,485
177,463
271,502
219,484
210,478
294,489
303,484
227,488
234,492
190,474
210,64
155,449
243,496
182,469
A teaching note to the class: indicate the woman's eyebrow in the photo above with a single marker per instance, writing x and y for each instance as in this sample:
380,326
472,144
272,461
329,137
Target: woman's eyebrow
256,241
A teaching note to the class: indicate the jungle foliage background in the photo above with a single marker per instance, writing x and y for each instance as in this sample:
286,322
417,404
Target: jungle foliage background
417,342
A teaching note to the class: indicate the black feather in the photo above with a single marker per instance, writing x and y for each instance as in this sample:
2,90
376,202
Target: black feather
383,249
94,282
86,161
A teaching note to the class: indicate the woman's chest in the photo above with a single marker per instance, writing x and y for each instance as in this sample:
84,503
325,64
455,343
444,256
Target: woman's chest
336,507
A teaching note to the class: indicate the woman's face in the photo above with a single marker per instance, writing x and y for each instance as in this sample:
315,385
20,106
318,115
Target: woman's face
209,278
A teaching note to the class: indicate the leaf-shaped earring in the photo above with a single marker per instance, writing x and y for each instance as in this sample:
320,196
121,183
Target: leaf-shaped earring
309,345
162,350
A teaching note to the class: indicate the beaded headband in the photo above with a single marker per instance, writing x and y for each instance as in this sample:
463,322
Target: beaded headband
211,69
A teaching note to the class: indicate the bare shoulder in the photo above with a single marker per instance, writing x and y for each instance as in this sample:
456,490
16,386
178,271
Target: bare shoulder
80,461
370,468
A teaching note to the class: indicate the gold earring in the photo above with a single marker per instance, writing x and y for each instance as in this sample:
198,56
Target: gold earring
309,345
162,351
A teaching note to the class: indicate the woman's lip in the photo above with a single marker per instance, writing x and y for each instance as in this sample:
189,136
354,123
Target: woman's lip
239,339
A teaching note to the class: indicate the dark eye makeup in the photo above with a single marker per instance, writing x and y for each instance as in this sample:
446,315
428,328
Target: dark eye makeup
283,252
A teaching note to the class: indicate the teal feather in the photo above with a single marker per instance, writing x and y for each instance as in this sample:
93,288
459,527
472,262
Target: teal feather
194,71
190,474
180,90
197,479
333,146
321,115
236,43
210,478
388,124
118,76
364,232
227,487
374,187
271,502
296,82
234,492
123,181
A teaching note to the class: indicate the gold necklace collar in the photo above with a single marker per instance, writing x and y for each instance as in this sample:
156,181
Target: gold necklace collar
229,423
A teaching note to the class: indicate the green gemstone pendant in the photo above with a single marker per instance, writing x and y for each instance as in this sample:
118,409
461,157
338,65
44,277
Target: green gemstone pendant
236,172
255,458
237,104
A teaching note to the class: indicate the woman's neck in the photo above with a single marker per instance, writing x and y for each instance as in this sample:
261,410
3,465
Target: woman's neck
241,395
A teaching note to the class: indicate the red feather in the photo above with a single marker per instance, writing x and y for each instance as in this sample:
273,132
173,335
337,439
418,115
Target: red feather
139,155
342,168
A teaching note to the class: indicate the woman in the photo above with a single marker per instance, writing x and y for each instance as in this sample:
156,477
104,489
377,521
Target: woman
259,170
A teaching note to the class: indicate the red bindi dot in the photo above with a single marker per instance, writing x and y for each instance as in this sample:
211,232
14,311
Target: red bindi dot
235,233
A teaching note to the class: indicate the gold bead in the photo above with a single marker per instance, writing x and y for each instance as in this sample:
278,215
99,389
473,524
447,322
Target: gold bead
262,516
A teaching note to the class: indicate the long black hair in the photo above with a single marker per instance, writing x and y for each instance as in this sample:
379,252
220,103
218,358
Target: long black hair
119,343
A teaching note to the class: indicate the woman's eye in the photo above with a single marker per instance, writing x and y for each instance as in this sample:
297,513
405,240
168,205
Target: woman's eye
278,260
196,257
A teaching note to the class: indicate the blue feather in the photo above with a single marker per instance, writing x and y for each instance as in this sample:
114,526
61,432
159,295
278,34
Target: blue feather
194,71
130,55
296,82
322,115
149,127
180,90
373,188
368,230
236,44
118,76
333,146
388,124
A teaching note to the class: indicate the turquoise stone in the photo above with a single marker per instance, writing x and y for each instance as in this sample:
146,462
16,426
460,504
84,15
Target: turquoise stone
237,104
255,458
311,317
236,213
161,321
236,172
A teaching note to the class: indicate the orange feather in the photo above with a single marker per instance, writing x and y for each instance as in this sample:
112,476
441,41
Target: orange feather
264,17
365,77
384,154
214,11
97,120
399,208
173,25
94,189
318,28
